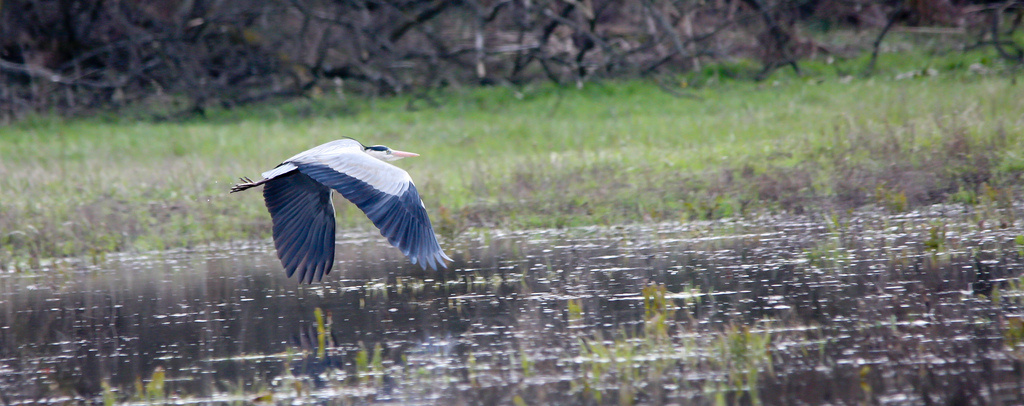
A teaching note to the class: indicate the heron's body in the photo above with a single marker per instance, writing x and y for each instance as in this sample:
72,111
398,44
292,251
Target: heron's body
298,195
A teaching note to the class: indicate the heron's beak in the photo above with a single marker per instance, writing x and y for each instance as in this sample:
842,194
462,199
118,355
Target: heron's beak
403,154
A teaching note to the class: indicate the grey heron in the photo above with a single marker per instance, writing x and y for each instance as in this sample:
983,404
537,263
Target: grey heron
298,196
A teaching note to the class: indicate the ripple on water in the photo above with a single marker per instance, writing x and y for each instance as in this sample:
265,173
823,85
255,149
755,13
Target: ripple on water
774,309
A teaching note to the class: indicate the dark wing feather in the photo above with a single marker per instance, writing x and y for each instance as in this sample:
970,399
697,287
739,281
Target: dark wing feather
303,224
401,219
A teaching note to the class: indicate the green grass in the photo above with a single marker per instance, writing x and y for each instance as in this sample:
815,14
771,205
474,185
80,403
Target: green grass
539,156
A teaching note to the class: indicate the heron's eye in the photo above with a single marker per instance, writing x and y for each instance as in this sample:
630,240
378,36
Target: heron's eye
389,151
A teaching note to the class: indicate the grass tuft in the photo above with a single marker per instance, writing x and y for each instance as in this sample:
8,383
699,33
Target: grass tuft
537,156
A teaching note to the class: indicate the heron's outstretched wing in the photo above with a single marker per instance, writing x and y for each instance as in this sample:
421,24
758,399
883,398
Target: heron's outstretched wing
303,224
388,197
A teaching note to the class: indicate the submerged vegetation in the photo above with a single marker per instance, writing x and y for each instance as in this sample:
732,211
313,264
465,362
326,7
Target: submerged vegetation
538,156
721,312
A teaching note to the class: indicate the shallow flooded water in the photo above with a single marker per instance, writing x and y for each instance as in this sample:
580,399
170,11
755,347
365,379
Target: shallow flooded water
921,308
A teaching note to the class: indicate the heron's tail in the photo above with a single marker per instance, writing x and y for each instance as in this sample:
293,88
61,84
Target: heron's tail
246,183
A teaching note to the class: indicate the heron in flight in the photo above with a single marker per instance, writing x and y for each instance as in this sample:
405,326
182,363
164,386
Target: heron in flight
298,195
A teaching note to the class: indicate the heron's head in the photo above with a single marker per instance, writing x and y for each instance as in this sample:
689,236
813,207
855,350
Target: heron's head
387,154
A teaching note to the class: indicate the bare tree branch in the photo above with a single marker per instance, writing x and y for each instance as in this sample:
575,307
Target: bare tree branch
781,38
212,53
891,21
1009,50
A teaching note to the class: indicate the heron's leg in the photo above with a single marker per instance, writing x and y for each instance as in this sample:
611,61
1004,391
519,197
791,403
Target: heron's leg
246,184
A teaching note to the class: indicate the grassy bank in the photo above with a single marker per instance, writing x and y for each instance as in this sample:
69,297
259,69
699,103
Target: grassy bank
604,154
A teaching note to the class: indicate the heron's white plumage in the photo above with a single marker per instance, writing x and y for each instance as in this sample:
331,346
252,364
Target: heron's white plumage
346,156
279,170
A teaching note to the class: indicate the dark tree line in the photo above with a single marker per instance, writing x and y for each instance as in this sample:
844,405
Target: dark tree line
73,55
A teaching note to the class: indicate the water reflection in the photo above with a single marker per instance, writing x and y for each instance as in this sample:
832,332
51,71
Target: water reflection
779,311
